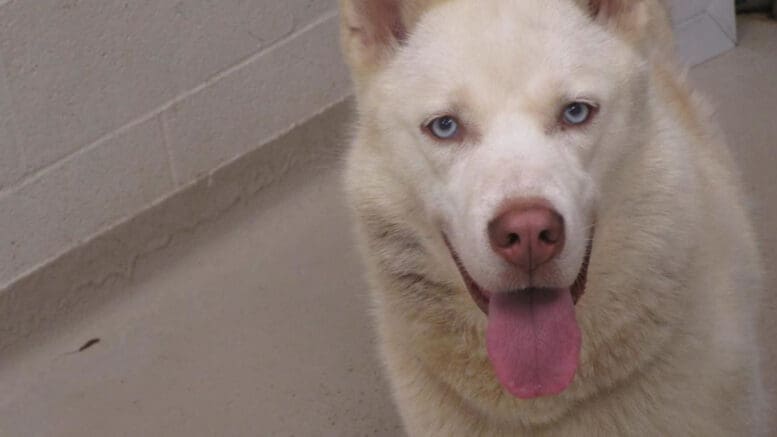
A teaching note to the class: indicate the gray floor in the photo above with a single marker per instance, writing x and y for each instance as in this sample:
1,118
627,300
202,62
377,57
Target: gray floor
256,324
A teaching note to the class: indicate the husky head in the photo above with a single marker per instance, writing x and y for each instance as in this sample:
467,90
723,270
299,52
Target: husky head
489,134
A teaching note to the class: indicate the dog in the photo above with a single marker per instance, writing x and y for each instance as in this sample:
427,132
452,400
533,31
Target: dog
555,238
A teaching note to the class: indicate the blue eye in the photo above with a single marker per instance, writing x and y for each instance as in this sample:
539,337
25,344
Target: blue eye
444,128
577,113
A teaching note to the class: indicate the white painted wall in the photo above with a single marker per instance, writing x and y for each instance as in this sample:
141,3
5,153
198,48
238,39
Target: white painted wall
107,106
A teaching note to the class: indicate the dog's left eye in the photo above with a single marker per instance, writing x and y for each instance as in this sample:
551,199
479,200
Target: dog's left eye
577,113
444,128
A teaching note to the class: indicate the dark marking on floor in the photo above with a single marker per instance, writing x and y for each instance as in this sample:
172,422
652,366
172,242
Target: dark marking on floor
89,344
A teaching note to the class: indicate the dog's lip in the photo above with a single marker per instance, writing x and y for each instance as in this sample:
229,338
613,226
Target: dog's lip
482,297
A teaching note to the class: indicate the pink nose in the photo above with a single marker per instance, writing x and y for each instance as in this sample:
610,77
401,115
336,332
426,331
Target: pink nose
527,235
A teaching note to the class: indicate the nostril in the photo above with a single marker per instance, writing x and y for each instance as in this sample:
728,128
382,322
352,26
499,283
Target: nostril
513,239
548,237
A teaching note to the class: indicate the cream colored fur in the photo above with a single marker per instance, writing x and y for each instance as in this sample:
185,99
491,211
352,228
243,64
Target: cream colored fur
667,317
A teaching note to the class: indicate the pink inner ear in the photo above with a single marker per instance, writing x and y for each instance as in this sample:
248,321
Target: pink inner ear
604,8
380,21
399,30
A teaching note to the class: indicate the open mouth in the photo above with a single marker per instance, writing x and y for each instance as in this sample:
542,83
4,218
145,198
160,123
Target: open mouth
533,338
482,297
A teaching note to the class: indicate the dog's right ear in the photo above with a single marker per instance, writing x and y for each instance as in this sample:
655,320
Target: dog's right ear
645,23
371,31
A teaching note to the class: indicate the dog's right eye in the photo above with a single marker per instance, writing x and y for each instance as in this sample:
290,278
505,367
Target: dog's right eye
444,128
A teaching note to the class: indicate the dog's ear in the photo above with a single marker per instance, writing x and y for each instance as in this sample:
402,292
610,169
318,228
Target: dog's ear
605,9
645,23
624,14
372,30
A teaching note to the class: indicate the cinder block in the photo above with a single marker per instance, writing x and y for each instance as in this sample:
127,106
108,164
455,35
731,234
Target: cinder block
683,10
261,100
10,158
703,28
700,39
306,11
77,70
81,196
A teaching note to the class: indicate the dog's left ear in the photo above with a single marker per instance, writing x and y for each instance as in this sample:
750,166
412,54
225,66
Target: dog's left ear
605,9
627,15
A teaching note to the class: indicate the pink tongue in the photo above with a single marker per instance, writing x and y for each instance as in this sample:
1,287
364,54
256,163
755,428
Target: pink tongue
534,341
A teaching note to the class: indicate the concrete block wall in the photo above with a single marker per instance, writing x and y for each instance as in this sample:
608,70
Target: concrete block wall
108,106
703,28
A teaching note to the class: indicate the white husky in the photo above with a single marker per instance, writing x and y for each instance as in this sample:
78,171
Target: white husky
555,238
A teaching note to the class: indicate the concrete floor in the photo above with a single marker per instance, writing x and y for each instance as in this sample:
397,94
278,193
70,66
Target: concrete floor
256,324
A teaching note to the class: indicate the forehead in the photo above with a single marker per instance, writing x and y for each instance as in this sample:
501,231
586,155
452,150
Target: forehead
505,47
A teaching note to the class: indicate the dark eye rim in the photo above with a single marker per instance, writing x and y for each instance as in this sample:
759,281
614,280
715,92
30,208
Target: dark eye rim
593,110
426,127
